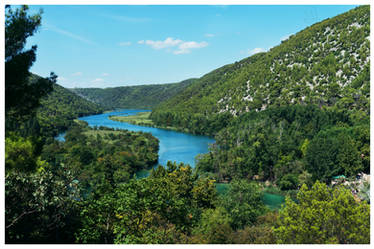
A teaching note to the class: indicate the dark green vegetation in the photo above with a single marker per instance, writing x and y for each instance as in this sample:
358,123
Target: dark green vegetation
290,146
84,190
326,64
132,97
61,107
95,154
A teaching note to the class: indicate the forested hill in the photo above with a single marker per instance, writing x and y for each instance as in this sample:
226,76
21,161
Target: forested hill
137,97
326,64
61,107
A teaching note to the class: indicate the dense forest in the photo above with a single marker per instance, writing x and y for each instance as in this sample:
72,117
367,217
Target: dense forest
290,145
132,97
293,120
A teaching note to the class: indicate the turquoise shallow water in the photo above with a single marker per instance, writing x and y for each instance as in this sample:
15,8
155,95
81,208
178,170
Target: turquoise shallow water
273,201
174,146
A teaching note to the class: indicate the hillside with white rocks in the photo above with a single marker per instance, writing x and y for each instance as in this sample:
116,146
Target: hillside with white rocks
326,64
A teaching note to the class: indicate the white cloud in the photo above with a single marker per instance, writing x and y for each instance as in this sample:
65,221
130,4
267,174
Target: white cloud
77,74
169,42
256,50
186,47
127,43
104,74
183,47
209,35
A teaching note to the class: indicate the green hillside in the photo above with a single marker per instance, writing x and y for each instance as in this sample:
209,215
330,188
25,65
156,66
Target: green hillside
61,107
132,97
326,64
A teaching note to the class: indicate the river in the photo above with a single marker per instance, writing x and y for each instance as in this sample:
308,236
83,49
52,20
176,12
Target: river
174,146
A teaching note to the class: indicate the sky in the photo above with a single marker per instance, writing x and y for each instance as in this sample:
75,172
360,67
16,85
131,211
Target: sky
121,45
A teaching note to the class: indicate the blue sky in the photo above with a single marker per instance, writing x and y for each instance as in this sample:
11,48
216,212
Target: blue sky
108,46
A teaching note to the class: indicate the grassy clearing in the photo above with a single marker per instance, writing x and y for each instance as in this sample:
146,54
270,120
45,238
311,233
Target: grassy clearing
141,118
100,132
105,134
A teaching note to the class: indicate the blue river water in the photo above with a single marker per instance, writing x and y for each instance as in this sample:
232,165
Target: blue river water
174,146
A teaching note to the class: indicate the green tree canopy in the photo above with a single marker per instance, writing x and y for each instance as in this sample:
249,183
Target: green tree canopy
324,215
243,202
333,152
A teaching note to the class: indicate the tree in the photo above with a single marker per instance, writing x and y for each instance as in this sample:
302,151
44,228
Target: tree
20,154
40,207
332,152
97,217
243,202
324,215
213,228
22,90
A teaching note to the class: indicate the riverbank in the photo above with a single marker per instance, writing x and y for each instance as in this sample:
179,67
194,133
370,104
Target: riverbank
142,119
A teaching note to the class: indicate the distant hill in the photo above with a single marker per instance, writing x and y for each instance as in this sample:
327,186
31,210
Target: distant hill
132,97
61,107
326,64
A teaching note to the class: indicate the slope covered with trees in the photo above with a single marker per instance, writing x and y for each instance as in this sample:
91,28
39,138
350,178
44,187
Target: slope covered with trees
61,107
327,64
132,97
290,146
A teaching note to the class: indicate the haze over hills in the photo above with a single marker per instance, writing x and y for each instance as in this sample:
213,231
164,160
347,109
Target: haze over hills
132,97
327,64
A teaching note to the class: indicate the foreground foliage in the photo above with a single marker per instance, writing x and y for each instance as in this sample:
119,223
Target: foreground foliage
324,215
40,206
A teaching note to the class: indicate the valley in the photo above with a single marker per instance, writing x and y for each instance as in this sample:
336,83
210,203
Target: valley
271,149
